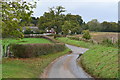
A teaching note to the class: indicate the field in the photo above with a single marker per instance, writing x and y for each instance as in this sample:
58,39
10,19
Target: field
100,36
29,67
99,61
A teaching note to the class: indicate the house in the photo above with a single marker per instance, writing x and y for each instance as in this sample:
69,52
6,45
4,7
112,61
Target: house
51,31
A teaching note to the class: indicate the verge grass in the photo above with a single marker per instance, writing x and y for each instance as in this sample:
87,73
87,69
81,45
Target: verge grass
99,61
29,67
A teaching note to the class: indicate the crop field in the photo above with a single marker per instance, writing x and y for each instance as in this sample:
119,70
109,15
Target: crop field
99,61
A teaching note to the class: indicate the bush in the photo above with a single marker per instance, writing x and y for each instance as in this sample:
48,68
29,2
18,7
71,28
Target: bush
35,50
107,42
86,34
74,38
28,31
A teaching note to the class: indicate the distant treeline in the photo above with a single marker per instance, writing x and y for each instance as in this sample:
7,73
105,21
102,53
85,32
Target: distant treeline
15,16
69,23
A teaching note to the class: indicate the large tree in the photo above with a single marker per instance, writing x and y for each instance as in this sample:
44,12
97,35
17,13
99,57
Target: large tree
76,23
14,16
94,25
75,18
70,27
52,19
106,27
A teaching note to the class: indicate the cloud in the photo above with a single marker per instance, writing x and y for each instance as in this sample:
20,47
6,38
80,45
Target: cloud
87,9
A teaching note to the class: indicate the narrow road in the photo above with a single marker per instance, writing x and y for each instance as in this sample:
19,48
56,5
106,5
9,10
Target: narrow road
66,66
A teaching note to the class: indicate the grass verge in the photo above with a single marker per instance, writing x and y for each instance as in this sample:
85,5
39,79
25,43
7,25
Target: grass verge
99,61
29,67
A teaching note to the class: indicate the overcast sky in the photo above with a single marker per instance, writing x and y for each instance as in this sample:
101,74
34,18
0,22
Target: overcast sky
103,10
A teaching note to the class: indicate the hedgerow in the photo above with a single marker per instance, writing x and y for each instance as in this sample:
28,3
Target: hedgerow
35,50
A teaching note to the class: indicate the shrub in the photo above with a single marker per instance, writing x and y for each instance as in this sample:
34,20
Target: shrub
35,50
28,31
86,34
107,42
74,38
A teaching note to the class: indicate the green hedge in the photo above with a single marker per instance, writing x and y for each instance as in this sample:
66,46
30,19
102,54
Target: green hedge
74,38
35,50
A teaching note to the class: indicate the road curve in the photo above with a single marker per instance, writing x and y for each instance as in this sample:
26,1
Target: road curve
66,66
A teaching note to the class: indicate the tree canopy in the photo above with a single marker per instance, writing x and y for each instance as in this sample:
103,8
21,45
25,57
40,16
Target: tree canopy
58,21
15,15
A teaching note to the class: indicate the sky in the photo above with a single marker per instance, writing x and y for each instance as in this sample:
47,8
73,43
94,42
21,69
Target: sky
103,10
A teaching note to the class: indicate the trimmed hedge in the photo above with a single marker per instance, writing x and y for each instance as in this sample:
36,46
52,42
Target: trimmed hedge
35,50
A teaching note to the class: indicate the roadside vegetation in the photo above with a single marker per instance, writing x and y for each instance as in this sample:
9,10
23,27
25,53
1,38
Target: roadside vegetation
28,67
100,61
34,50
7,41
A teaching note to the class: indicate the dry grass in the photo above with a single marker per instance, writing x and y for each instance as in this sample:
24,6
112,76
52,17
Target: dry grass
100,36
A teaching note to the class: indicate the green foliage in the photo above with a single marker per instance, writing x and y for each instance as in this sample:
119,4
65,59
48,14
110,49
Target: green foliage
6,42
74,38
59,22
52,19
66,28
74,18
94,25
29,67
109,26
86,34
107,42
35,50
70,27
15,15
105,26
110,43
28,31
72,24
34,21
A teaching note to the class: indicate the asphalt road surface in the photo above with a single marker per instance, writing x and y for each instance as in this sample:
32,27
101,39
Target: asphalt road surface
67,66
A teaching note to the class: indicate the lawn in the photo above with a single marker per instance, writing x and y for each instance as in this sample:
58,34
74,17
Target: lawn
25,41
29,67
99,61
